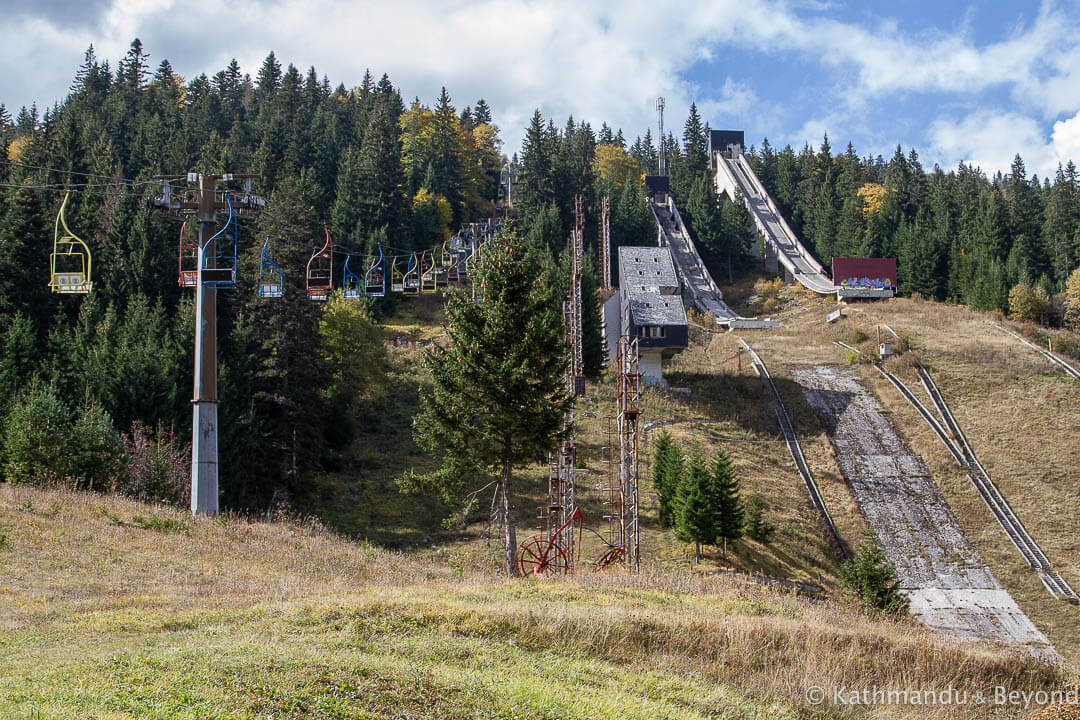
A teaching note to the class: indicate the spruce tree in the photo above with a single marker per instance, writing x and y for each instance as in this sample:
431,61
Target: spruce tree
729,511
667,474
697,517
499,396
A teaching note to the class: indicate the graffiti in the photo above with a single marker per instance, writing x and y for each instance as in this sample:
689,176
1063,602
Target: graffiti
866,283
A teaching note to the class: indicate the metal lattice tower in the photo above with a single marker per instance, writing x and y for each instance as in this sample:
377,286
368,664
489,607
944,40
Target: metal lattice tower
605,244
561,491
660,138
628,390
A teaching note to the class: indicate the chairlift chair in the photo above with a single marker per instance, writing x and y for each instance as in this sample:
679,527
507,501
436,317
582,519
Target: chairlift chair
429,279
271,276
375,277
350,281
320,270
397,277
219,264
69,263
189,258
412,276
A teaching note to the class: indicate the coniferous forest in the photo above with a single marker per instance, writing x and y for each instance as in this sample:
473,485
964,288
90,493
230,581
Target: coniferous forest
95,389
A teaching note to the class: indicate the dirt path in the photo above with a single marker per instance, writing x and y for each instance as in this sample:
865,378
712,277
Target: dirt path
949,587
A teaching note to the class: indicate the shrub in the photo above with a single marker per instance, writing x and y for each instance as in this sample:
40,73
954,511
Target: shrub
1072,300
1028,304
159,465
98,460
871,576
34,436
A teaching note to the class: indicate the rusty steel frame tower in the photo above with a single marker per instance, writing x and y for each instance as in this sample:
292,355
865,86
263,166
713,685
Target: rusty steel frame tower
562,502
628,398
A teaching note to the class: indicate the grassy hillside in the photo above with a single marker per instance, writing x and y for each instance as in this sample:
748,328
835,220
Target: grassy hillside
114,609
1018,411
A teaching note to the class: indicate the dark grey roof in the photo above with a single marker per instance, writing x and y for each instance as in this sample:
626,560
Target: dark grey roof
648,282
648,308
647,267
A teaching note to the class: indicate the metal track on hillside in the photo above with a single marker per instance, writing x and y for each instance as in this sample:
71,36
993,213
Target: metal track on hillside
957,444
1069,369
795,449
1010,523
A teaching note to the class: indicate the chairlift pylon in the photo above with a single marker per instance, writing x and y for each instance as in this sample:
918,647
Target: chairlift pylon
320,270
70,261
271,276
375,277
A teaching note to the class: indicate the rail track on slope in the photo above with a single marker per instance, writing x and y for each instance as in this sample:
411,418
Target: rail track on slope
796,449
1069,369
1006,517
952,436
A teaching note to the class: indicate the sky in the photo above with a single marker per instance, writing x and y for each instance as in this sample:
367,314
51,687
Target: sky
958,82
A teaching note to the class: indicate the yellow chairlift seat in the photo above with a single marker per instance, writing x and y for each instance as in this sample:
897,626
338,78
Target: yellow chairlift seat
397,278
70,261
429,279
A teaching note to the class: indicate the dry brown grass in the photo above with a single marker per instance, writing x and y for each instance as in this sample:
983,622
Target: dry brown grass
83,586
1018,411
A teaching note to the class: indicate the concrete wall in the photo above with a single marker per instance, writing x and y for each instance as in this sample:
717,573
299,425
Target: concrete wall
650,365
610,313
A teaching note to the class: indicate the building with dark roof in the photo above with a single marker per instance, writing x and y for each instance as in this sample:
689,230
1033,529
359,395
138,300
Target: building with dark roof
649,306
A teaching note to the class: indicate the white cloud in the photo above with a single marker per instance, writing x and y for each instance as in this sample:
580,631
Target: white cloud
604,60
990,140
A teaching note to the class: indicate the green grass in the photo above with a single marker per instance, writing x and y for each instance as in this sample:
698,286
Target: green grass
244,619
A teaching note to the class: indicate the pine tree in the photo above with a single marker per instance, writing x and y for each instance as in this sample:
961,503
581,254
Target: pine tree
383,202
667,473
499,396
697,517
482,113
729,511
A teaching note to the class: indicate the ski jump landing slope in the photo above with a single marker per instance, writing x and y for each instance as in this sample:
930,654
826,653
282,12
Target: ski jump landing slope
948,585
735,173
698,285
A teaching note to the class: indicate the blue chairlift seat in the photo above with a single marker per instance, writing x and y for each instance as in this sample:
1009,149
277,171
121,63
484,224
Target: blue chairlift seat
350,281
271,276
219,259
375,277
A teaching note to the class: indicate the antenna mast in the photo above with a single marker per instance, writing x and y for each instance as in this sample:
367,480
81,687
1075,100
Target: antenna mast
660,137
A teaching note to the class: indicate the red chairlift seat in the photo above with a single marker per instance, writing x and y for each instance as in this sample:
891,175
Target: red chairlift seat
320,270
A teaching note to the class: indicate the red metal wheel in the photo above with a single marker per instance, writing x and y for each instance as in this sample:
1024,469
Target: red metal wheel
540,556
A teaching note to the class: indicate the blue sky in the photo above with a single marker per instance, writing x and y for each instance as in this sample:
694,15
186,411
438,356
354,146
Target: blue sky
958,82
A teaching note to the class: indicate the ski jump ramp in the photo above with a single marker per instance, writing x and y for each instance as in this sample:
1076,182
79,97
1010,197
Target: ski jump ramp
698,286
735,177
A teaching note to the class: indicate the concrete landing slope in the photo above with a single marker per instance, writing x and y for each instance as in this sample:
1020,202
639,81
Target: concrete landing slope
948,585
698,284
736,174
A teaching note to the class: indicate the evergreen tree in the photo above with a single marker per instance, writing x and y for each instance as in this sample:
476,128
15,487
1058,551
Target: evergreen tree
382,203
482,113
499,397
667,474
284,336
593,354
729,511
697,504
